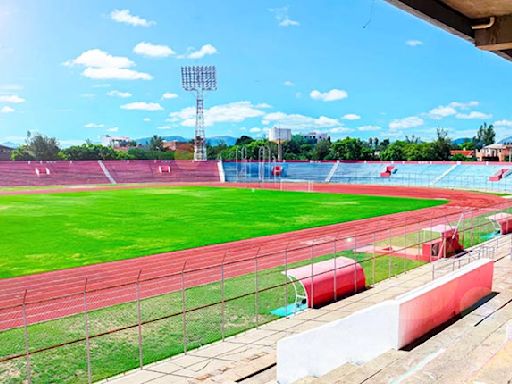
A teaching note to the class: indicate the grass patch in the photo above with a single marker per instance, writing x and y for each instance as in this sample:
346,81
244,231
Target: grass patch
44,232
118,352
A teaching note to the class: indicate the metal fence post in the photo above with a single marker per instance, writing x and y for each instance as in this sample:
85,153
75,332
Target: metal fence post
256,289
139,321
286,279
184,307
222,298
373,260
26,336
389,253
335,282
405,244
312,278
87,341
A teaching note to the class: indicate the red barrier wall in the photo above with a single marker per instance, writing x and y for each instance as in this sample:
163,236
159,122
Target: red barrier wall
426,308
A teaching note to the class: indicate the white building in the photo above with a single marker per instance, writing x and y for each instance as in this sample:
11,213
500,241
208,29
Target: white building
316,136
115,141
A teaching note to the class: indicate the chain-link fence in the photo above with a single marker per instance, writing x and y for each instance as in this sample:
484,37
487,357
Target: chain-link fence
96,332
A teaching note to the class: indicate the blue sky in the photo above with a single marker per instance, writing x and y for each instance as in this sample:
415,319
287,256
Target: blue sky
83,69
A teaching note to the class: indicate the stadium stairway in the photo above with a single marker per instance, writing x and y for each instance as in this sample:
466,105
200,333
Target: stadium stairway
471,347
155,171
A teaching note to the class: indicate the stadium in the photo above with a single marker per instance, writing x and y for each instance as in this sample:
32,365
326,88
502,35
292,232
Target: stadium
258,268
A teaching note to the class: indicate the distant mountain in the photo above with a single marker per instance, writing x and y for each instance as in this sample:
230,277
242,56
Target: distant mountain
461,140
216,140
10,144
506,140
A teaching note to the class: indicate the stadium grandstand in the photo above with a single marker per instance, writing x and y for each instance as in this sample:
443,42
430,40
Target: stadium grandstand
248,271
486,176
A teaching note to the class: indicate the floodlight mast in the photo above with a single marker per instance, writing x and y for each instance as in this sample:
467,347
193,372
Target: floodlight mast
199,79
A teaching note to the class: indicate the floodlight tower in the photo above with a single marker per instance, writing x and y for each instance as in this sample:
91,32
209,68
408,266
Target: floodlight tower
199,79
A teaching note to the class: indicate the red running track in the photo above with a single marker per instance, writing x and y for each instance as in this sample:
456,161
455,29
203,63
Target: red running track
60,293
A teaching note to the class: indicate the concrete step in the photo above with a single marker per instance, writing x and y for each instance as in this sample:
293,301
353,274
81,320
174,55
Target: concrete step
366,371
454,354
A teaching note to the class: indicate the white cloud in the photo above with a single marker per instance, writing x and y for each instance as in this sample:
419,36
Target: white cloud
255,130
368,128
442,111
464,105
414,43
225,113
453,108
102,65
147,119
115,74
503,123
289,83
113,129
332,95
169,95
473,115
88,95
283,20
15,99
164,127
101,86
116,93
351,116
97,58
407,122
153,50
142,106
340,130
205,50
93,125
124,16
6,109
299,122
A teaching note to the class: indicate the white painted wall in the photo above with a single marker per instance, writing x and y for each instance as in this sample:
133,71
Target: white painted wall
359,337
366,334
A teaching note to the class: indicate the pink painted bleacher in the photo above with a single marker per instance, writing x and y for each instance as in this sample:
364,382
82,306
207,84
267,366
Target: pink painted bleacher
148,171
23,173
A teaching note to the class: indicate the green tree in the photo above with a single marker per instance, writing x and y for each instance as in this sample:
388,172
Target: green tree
351,148
486,135
93,152
321,150
156,143
244,140
441,145
38,147
393,151
22,154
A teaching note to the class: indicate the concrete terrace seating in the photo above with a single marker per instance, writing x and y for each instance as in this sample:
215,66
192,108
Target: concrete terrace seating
308,171
23,173
476,176
419,173
290,171
148,171
358,173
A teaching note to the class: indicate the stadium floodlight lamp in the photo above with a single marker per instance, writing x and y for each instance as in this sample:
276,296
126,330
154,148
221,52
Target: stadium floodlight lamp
199,78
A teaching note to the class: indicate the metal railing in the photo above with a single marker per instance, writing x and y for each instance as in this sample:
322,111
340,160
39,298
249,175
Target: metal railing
103,328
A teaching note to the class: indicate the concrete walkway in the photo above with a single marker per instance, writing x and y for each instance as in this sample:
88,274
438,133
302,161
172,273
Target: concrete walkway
250,356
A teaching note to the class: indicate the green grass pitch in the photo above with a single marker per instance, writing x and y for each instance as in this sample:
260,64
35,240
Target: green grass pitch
43,232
